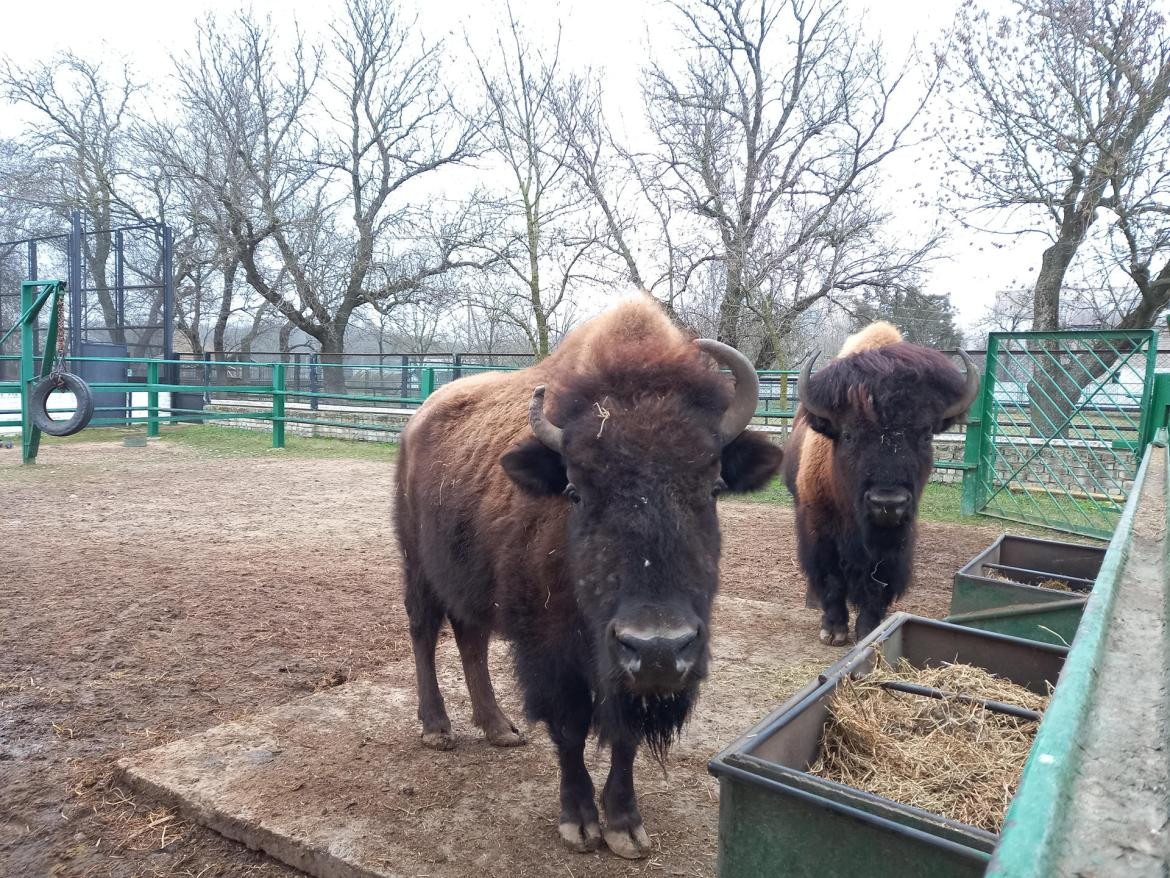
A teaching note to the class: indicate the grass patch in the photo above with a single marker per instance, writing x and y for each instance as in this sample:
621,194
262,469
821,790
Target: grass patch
213,441
940,502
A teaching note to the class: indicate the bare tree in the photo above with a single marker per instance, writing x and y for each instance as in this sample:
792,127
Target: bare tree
548,238
316,165
771,134
1071,124
85,141
1072,104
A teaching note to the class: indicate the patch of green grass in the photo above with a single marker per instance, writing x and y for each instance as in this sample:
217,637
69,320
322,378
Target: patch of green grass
940,502
215,441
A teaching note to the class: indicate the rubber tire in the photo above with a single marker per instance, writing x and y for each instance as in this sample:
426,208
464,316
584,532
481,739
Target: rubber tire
39,404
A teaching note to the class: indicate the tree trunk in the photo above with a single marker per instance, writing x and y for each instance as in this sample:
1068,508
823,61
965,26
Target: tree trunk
1052,392
225,306
331,357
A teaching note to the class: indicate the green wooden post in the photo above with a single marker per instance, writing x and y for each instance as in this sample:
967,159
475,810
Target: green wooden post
152,399
278,397
970,500
29,435
427,382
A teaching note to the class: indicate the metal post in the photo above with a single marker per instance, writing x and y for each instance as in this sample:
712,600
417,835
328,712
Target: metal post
168,280
427,384
32,275
404,375
152,398
207,377
314,381
119,281
76,309
28,333
977,436
456,366
278,394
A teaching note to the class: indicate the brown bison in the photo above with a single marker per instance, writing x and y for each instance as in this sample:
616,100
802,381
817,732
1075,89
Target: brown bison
858,458
580,524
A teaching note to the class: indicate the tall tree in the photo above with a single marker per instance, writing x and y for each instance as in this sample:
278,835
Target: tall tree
771,133
548,238
315,167
85,141
924,318
1071,125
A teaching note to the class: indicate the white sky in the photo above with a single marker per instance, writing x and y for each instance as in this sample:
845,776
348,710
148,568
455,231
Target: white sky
611,36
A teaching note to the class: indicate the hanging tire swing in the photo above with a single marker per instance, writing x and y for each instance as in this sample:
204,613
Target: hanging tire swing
38,404
59,379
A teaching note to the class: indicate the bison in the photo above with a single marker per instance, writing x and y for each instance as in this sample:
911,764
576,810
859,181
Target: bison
579,523
856,462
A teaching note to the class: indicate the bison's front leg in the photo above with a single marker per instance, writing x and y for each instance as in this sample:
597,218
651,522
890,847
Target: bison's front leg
579,827
835,612
624,833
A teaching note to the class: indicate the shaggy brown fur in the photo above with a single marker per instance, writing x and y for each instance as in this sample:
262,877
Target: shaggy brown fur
501,534
887,398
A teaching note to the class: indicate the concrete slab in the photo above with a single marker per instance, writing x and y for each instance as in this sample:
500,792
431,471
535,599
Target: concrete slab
339,785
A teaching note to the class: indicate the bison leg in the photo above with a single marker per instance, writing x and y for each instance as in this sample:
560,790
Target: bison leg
472,641
579,826
624,833
426,617
835,612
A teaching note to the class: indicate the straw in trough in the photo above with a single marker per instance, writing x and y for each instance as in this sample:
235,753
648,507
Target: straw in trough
951,757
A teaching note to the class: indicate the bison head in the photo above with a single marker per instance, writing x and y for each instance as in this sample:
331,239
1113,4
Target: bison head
638,454
882,408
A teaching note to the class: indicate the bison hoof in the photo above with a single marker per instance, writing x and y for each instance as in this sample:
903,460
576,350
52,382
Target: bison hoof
506,737
580,837
834,638
440,740
633,843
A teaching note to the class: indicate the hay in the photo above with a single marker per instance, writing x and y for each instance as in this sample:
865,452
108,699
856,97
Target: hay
1053,583
950,757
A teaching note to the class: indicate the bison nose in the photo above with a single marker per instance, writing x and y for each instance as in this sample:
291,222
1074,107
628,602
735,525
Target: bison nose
888,506
656,659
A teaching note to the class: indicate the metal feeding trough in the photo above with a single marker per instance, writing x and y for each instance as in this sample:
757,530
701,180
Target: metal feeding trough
777,819
1008,588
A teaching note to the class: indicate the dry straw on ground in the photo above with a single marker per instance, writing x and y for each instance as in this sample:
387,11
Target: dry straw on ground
951,757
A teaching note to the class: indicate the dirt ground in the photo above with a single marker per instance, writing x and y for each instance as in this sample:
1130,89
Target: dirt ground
150,593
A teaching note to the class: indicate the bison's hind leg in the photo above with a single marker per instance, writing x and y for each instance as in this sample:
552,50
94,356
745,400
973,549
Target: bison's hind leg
472,641
426,616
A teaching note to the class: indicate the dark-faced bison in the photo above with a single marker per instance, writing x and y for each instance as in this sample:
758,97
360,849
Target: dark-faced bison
579,522
857,461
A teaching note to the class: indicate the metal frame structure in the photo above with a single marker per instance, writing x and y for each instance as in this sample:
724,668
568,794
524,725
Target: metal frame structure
1064,453
77,272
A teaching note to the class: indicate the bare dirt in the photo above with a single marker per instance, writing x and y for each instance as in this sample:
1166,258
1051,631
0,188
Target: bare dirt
147,594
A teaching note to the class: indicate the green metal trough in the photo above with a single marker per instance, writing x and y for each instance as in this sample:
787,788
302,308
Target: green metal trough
1094,796
777,819
1003,588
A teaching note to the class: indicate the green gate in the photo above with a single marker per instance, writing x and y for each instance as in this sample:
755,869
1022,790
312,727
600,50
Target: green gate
1063,419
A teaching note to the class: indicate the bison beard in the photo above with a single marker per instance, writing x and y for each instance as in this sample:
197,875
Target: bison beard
858,458
581,526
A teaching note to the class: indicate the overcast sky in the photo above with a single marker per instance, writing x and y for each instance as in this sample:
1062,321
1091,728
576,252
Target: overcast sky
611,36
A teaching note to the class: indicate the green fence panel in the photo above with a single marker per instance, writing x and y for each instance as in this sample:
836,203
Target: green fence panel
1061,426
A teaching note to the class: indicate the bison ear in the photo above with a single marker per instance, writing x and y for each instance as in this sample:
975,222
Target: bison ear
749,461
536,468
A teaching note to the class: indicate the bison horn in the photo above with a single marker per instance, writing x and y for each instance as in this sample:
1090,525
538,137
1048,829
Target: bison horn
970,389
548,433
747,388
802,390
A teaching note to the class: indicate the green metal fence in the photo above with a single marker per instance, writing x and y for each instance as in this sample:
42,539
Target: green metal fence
1062,421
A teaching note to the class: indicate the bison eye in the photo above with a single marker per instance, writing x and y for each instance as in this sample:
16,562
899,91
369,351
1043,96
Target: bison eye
718,488
571,493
